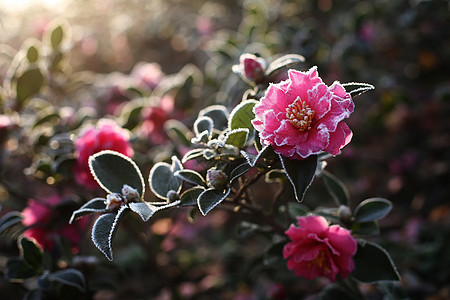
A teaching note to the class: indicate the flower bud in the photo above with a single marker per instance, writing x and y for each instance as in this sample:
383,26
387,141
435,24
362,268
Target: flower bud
114,201
216,178
252,67
131,194
344,213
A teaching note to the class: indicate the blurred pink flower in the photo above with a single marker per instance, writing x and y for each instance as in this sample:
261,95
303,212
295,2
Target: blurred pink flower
106,136
302,116
46,225
317,249
155,117
148,74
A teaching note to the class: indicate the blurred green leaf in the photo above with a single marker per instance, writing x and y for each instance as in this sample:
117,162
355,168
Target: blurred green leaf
18,269
31,253
218,113
210,198
178,132
162,178
284,61
57,36
112,170
366,228
29,83
32,54
300,173
336,188
10,219
70,277
372,209
297,210
373,264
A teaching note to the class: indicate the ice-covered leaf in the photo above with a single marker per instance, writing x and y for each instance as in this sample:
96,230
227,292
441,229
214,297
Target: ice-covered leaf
112,170
237,137
300,173
30,252
71,277
202,124
239,171
357,88
192,154
241,117
190,196
146,210
284,61
104,230
162,178
96,205
218,113
210,198
191,176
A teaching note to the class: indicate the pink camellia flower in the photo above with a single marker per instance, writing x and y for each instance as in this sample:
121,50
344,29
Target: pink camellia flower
251,67
317,249
106,136
302,116
148,74
45,226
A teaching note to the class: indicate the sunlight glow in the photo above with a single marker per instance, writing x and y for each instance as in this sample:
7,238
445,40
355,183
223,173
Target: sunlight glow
21,5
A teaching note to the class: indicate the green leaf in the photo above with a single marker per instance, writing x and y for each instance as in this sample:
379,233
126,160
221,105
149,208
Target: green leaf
18,269
357,88
239,171
192,154
130,114
210,198
366,228
190,196
178,132
275,175
284,61
336,188
372,209
373,264
300,173
29,83
104,230
162,178
237,137
112,170
57,36
32,54
241,117
70,277
297,210
31,253
253,159
191,176
96,205
219,115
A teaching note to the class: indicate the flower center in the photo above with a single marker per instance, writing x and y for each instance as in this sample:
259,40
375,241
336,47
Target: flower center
300,115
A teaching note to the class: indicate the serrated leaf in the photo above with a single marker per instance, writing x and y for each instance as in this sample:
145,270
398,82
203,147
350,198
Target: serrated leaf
18,269
31,253
218,113
241,117
192,154
357,88
70,277
300,173
146,210
29,83
191,176
162,178
239,171
210,198
202,124
112,170
284,61
190,196
104,230
237,137
335,188
373,264
372,209
96,205
10,219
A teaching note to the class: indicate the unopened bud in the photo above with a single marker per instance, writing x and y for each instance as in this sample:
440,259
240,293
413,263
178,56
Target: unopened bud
131,194
114,201
252,67
216,178
344,213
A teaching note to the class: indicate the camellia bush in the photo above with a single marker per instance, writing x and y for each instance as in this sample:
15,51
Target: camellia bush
190,185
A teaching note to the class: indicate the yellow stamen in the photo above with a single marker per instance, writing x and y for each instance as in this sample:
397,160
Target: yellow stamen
300,115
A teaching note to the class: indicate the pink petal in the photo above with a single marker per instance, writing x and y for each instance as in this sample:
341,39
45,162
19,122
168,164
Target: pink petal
315,224
339,138
342,239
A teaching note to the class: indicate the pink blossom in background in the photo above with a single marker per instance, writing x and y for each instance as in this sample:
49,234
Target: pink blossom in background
45,226
317,249
107,135
302,116
148,74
